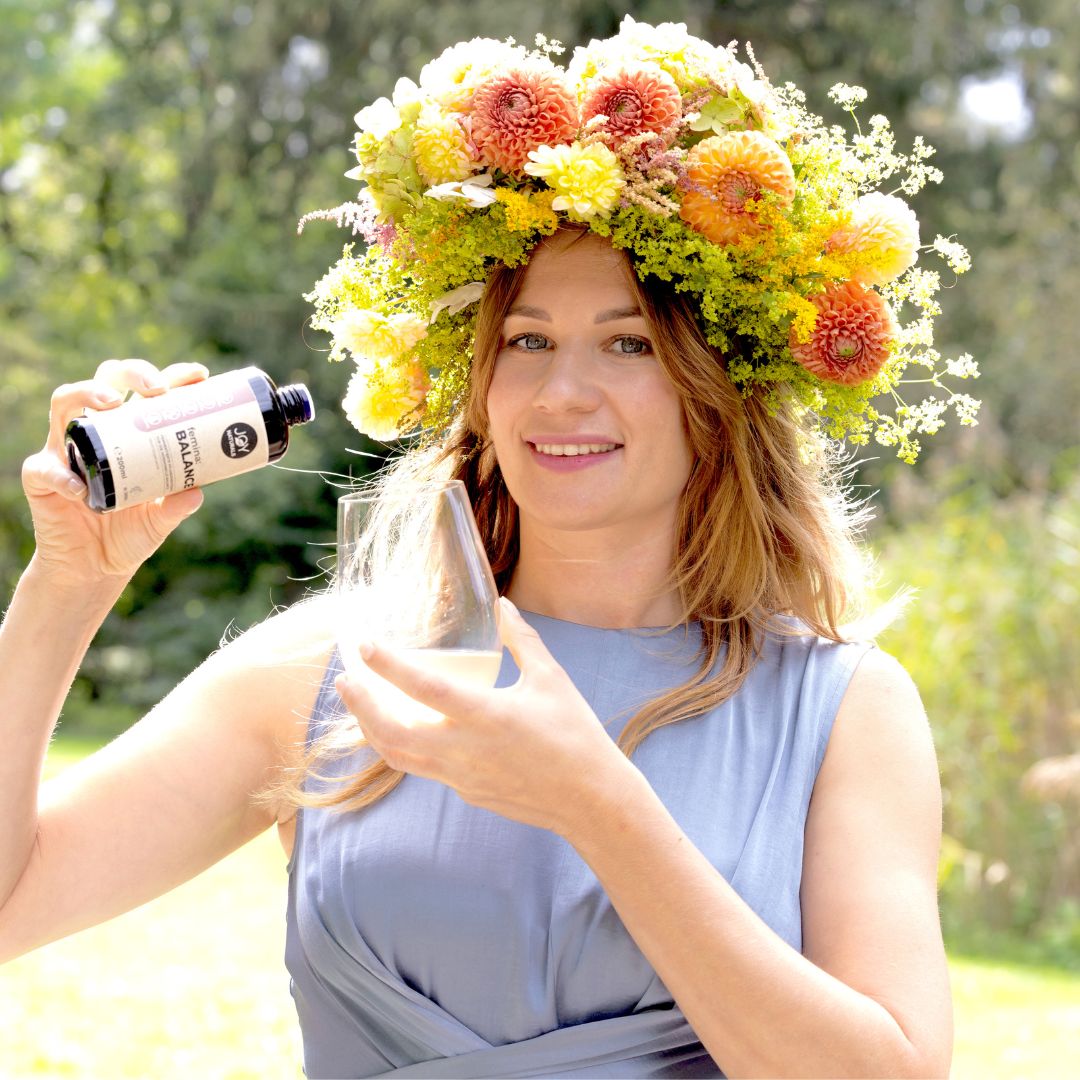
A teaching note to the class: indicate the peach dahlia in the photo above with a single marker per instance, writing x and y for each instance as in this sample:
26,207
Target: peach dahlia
852,335
633,102
520,111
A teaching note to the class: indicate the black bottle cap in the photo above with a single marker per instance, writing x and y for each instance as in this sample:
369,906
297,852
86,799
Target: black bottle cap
296,403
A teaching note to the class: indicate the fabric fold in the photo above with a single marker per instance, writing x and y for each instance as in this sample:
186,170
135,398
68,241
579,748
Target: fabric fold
430,938
583,1050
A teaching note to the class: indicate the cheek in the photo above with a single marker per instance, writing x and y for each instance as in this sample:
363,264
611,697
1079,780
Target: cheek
669,425
496,394
500,401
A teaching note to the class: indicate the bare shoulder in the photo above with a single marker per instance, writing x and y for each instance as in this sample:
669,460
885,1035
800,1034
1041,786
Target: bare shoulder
241,714
273,670
880,768
882,736
882,683
292,636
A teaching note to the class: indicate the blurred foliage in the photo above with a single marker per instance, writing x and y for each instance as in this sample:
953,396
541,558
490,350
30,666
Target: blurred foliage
155,156
990,638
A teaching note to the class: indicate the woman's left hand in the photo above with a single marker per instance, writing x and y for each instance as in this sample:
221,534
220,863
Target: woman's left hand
531,752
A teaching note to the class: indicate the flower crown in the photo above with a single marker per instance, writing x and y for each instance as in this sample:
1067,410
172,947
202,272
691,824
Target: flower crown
798,265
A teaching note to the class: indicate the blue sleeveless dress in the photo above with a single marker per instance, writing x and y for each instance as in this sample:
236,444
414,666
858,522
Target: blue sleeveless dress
430,938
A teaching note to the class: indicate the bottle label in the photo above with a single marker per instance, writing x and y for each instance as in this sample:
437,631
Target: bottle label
187,437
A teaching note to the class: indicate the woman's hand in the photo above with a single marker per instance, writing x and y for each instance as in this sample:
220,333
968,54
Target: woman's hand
74,545
531,752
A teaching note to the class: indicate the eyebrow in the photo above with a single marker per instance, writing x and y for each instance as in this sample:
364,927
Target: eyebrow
611,315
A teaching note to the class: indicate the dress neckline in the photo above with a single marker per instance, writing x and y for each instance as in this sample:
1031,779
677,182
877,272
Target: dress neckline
650,631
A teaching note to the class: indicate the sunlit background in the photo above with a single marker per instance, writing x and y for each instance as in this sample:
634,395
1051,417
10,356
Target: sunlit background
154,160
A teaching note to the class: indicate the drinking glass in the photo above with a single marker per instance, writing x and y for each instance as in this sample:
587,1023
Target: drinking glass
413,575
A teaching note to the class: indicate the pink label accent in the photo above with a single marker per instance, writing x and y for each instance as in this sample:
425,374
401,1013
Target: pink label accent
188,402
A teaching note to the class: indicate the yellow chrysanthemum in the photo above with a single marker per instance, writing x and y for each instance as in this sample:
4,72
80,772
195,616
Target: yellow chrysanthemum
587,180
378,338
883,232
440,147
526,212
382,402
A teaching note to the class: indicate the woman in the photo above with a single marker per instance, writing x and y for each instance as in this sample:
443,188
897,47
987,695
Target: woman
508,892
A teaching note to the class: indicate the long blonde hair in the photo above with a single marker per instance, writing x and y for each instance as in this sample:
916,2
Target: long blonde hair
765,527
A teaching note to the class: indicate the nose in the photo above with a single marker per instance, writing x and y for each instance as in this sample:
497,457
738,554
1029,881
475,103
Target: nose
567,384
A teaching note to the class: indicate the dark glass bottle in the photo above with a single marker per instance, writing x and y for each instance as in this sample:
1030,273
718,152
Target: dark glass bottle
188,437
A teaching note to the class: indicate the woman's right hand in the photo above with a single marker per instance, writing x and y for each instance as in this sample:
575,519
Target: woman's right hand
75,546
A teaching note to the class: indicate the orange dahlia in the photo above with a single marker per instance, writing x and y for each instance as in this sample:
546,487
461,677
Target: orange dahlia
852,335
519,111
727,171
633,102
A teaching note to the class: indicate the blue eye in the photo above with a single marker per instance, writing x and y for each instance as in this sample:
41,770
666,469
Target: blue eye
529,342
631,346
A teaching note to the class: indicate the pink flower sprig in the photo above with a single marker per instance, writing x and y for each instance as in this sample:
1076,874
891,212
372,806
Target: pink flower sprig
654,170
360,217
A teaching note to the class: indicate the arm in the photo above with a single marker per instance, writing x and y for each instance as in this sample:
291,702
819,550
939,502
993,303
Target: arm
174,793
81,564
870,996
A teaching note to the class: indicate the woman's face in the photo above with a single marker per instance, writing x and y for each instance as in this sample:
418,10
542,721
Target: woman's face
587,427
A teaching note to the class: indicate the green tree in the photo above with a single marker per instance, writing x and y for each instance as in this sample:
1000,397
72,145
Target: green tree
155,156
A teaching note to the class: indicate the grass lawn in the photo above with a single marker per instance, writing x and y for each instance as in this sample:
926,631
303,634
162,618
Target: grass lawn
193,985
1014,1021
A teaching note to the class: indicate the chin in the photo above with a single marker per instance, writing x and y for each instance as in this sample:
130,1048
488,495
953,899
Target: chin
573,515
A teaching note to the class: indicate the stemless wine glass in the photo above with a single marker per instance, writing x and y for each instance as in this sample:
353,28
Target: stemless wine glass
413,575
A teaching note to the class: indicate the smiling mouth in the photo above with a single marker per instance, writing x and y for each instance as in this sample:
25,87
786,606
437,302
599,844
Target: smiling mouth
573,449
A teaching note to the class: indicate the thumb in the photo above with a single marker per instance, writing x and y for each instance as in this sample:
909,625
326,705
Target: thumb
520,638
174,508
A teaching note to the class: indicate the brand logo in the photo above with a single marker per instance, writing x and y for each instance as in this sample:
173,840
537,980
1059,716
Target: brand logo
238,440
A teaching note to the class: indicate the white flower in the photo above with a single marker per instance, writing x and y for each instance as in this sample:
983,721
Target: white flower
457,299
406,93
847,96
963,367
476,191
955,254
374,337
690,61
379,119
452,76
966,407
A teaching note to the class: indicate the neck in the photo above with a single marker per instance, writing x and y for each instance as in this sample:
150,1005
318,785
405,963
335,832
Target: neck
596,579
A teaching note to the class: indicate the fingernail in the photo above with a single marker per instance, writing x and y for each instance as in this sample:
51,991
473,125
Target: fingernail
76,486
343,683
197,501
366,649
108,397
507,605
